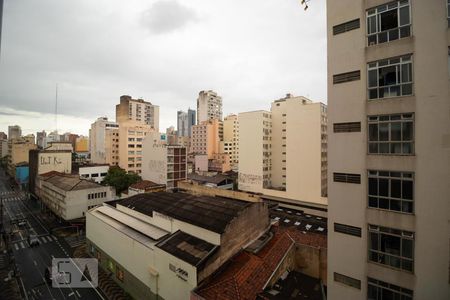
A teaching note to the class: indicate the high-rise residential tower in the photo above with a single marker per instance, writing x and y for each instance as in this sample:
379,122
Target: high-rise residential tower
292,142
104,142
230,142
389,149
209,106
137,110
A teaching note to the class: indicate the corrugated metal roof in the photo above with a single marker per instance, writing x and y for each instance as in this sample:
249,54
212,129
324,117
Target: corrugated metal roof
212,213
147,229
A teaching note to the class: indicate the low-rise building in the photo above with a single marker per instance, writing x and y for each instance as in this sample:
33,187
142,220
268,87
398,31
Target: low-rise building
217,181
69,197
22,174
94,172
145,186
3,148
163,245
56,157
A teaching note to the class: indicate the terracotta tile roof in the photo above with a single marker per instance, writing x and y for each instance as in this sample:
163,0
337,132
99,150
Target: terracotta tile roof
50,174
244,277
145,184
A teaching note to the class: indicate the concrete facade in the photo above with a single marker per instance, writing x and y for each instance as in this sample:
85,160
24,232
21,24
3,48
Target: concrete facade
82,144
70,197
388,71
185,121
14,132
162,163
17,153
286,154
230,143
205,138
96,173
131,139
3,148
104,142
209,106
137,110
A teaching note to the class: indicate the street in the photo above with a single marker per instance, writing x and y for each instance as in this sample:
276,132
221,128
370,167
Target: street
20,221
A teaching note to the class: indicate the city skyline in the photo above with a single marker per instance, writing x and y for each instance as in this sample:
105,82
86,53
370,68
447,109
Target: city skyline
159,71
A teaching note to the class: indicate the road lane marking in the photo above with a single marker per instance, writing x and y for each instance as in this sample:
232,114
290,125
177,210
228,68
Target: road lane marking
34,262
49,238
71,294
22,245
17,247
78,293
44,240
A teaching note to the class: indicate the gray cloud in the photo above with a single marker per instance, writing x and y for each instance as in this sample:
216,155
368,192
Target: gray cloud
166,16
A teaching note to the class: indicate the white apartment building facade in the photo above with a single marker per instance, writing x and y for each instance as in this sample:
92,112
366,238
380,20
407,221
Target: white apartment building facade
209,106
104,142
294,147
389,149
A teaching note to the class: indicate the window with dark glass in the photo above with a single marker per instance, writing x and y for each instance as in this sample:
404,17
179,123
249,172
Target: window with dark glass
388,22
392,247
391,134
344,27
380,290
347,280
391,191
347,178
390,77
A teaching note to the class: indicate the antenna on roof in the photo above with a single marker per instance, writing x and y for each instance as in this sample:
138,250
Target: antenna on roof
56,108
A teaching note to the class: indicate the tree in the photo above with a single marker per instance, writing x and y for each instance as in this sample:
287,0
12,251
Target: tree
120,179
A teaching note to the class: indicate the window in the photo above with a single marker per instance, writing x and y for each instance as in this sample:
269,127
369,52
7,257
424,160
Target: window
347,26
380,290
347,229
391,190
347,178
346,77
391,134
391,247
347,127
347,280
388,22
390,77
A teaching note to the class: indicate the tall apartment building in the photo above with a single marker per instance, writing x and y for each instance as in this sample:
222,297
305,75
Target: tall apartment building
209,106
255,164
294,150
14,132
41,141
3,148
205,138
3,136
185,121
104,142
137,110
389,149
230,142
163,163
131,136
82,144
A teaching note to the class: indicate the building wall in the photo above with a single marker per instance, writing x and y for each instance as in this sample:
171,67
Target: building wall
71,205
348,152
251,223
137,110
3,148
205,138
209,106
82,144
254,161
230,143
18,152
104,142
131,139
135,257
14,132
95,173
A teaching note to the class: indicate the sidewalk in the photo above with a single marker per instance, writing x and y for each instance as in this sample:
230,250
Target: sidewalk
9,290
109,287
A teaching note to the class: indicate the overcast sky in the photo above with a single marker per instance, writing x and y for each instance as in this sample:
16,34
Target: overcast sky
250,52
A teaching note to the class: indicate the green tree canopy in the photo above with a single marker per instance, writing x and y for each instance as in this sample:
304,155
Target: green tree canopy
120,179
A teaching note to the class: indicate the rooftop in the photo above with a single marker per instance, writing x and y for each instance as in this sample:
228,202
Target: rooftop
212,213
246,274
68,182
187,247
295,286
145,184
303,222
216,179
